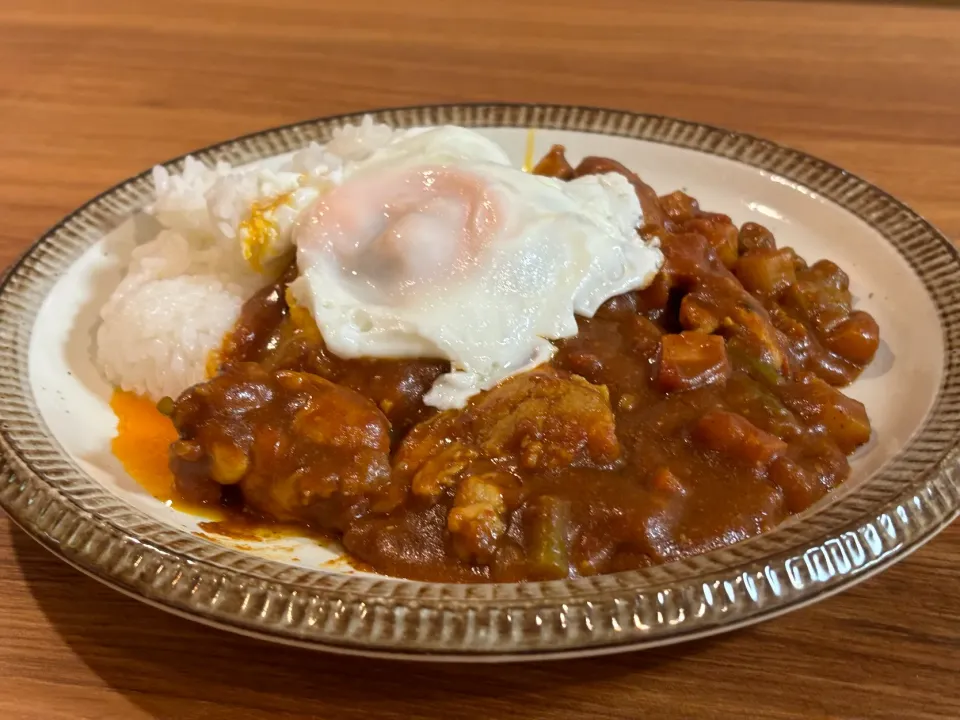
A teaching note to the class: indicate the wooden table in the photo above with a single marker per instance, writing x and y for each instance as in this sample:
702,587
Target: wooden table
94,91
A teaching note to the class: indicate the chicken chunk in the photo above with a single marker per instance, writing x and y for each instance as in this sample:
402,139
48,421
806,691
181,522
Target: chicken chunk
546,420
299,447
478,517
540,421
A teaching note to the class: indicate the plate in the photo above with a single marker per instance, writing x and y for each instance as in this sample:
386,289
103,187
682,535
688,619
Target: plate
60,483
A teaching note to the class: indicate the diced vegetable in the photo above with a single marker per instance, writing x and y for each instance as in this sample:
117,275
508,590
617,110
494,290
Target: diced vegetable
759,405
547,520
679,206
795,331
691,360
843,419
228,463
554,164
830,274
820,302
766,273
586,364
687,257
832,368
738,438
665,481
800,488
641,334
856,338
720,232
753,328
165,406
753,236
757,365
696,315
656,295
799,264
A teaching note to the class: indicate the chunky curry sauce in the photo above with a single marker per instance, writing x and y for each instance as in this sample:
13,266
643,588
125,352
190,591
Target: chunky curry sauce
694,414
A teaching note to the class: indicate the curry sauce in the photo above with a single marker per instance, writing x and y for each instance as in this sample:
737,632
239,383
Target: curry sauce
691,415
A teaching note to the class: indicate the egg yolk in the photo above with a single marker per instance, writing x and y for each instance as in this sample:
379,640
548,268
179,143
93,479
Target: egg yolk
397,231
260,230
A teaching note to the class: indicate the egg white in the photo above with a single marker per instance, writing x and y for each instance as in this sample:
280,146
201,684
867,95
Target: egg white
385,272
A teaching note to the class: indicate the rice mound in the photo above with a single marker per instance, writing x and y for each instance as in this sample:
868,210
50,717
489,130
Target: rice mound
167,316
184,289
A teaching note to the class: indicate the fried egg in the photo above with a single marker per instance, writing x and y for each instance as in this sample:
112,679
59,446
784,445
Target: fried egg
258,205
432,245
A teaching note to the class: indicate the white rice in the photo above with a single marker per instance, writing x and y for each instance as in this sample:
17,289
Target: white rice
168,314
184,289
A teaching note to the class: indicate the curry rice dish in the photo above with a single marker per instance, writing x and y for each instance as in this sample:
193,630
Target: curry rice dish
695,403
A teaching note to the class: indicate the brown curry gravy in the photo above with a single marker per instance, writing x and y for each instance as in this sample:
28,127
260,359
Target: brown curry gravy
716,385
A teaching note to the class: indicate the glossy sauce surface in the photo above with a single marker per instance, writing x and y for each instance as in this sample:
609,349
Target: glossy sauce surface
691,415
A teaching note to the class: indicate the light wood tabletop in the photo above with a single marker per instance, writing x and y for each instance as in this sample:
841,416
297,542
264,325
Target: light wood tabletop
94,91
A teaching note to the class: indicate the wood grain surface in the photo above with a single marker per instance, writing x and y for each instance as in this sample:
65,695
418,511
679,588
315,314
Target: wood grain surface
92,91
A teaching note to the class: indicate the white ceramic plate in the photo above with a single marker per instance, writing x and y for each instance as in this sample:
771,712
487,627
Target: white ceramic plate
62,483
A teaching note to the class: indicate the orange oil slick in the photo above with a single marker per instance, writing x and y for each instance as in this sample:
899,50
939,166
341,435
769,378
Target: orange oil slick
528,156
142,446
143,442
